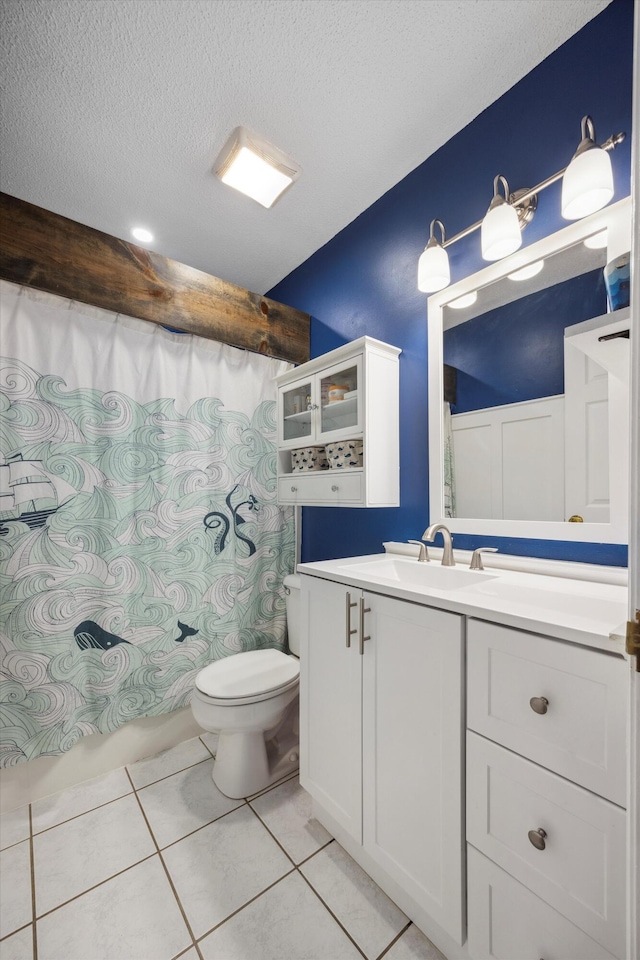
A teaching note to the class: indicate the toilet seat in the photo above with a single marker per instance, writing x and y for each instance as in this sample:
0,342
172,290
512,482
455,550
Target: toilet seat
248,677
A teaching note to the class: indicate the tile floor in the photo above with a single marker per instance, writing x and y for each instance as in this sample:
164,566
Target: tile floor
151,862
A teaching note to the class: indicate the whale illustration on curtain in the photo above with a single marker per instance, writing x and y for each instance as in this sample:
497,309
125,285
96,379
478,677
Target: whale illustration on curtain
140,536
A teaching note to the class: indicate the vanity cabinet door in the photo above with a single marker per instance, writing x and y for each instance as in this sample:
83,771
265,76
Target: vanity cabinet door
331,702
412,752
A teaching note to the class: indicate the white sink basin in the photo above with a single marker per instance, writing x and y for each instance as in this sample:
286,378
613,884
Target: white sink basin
431,576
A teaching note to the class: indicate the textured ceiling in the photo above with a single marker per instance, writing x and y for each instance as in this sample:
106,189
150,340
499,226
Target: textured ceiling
114,110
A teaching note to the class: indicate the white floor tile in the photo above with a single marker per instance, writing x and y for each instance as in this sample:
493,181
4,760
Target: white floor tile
180,804
222,866
287,922
133,915
413,945
14,827
15,884
286,810
74,856
169,761
79,799
19,946
359,904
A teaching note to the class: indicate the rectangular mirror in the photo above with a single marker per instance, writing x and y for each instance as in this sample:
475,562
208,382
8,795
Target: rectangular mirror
529,392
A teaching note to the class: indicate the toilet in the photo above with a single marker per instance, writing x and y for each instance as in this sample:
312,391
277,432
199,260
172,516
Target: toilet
251,701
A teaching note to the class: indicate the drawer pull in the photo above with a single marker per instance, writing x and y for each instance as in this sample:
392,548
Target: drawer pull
334,488
539,704
293,489
537,838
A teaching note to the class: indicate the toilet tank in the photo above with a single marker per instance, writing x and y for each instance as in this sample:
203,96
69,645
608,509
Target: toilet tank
292,590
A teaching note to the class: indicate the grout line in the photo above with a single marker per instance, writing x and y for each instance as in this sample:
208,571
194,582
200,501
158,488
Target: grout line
273,786
272,835
315,852
98,806
329,910
395,940
94,887
152,783
168,875
17,930
257,896
33,885
207,747
241,803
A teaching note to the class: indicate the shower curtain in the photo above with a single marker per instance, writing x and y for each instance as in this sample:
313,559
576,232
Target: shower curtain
140,537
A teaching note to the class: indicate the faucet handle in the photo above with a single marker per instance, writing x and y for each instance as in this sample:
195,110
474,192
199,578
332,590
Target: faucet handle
476,559
423,556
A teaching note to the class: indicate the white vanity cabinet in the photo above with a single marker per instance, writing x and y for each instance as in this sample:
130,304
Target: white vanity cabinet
351,393
545,797
381,741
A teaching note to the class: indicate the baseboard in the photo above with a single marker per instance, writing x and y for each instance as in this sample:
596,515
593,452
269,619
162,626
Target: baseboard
93,756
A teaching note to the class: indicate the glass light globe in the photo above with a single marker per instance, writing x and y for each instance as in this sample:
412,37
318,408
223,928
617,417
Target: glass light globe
500,233
433,268
587,184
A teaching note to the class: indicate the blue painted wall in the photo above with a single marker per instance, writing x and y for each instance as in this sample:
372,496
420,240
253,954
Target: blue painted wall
364,280
516,352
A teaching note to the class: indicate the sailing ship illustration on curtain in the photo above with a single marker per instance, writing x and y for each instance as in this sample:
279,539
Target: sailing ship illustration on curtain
29,494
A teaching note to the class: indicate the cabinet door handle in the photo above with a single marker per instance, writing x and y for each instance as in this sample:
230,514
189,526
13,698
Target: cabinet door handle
539,704
537,838
349,632
363,610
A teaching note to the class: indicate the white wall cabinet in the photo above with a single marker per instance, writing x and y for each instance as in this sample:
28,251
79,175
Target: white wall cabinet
310,416
381,740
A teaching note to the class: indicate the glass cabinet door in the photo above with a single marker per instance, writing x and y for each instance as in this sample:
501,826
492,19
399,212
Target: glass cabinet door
297,411
340,403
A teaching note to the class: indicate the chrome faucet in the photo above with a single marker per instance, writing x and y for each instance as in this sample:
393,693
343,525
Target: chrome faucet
430,534
423,556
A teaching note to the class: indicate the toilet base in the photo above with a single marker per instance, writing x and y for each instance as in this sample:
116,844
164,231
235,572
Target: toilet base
246,763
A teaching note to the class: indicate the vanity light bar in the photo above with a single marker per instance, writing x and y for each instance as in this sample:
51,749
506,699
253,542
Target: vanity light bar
524,202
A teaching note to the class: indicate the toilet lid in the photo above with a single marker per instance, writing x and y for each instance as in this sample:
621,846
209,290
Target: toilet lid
247,674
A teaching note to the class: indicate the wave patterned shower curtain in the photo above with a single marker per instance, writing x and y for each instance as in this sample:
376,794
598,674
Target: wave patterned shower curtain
139,532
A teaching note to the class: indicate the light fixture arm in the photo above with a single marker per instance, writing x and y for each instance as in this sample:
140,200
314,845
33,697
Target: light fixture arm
610,144
432,242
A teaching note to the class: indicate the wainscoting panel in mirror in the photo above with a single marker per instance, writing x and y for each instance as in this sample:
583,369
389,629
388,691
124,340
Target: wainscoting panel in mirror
535,439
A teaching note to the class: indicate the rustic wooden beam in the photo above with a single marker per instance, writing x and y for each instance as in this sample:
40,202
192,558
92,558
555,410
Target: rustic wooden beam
41,249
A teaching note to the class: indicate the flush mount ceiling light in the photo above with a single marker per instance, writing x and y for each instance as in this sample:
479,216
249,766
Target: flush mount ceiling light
433,265
142,234
255,167
587,187
531,270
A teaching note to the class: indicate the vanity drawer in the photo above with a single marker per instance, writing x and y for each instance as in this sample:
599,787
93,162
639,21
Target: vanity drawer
508,922
580,870
582,733
306,489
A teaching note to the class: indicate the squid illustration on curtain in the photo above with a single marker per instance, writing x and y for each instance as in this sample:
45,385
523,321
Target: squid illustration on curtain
139,532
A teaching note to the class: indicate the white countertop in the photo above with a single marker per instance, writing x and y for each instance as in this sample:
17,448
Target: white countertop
579,611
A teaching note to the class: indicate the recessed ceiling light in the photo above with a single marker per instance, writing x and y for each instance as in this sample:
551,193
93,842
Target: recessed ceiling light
466,301
597,241
255,167
141,234
529,271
